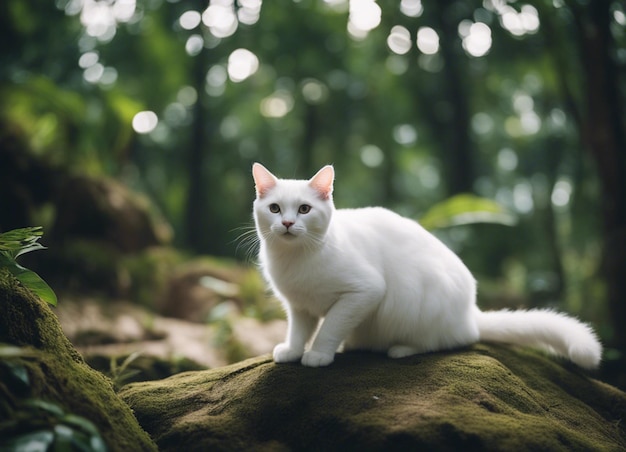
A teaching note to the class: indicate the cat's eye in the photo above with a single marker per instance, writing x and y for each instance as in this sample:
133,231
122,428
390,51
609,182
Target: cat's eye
304,209
274,208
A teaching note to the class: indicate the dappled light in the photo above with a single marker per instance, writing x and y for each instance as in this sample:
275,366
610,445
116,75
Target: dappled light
277,105
364,16
372,156
242,64
190,20
194,45
562,193
405,134
526,21
216,78
314,91
411,8
130,129
399,40
100,19
482,123
249,11
507,159
476,38
427,41
220,18
145,122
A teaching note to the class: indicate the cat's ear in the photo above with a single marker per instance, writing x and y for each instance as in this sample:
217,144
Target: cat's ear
322,182
263,179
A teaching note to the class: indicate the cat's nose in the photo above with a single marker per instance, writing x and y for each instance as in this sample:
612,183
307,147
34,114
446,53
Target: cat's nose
287,224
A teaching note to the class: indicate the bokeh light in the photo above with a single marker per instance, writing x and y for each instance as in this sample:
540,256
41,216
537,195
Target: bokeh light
399,40
190,20
427,41
249,11
411,8
194,44
277,105
476,39
364,16
216,80
145,122
405,134
220,18
314,91
372,155
242,64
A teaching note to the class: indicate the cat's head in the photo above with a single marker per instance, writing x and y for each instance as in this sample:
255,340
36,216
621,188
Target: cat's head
293,212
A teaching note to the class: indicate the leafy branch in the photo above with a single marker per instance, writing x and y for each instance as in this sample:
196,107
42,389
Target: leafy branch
466,209
20,241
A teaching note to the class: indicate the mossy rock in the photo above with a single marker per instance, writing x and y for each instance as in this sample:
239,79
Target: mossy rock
57,373
483,398
99,208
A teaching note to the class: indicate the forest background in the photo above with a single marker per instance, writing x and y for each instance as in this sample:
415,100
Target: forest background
414,102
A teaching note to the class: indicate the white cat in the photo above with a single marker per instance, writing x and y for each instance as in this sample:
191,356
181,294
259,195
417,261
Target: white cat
378,281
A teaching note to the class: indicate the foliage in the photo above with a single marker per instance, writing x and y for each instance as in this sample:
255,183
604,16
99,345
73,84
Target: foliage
406,127
221,318
121,373
466,209
37,424
16,243
255,300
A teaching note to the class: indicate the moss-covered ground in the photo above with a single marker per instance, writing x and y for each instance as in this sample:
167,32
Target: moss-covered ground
57,373
483,398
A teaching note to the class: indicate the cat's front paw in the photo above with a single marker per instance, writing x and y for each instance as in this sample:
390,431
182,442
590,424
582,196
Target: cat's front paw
285,354
316,359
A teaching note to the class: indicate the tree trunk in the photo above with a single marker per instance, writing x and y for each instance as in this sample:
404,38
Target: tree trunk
311,131
456,140
197,222
604,138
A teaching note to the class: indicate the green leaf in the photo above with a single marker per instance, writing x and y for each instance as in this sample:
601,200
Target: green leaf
31,281
39,440
84,434
15,377
466,209
81,423
34,282
47,407
11,351
17,240
29,248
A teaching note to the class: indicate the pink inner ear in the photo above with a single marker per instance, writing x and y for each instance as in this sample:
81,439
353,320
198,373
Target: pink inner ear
263,179
323,181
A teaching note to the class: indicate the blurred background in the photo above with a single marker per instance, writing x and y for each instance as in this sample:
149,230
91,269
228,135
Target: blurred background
128,129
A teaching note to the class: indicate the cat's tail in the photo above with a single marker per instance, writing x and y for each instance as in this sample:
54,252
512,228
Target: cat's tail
557,333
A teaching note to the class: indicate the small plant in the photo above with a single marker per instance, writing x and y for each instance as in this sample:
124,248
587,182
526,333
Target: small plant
29,423
121,373
20,241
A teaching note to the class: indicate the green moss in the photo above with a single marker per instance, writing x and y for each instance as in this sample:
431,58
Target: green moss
483,398
57,372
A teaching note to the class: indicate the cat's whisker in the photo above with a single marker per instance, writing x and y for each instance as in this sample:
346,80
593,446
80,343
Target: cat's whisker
249,241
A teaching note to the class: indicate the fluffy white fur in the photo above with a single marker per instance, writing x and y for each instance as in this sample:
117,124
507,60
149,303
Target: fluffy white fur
371,279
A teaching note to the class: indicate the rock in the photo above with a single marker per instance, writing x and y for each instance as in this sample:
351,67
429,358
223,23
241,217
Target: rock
56,375
104,209
486,397
101,330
